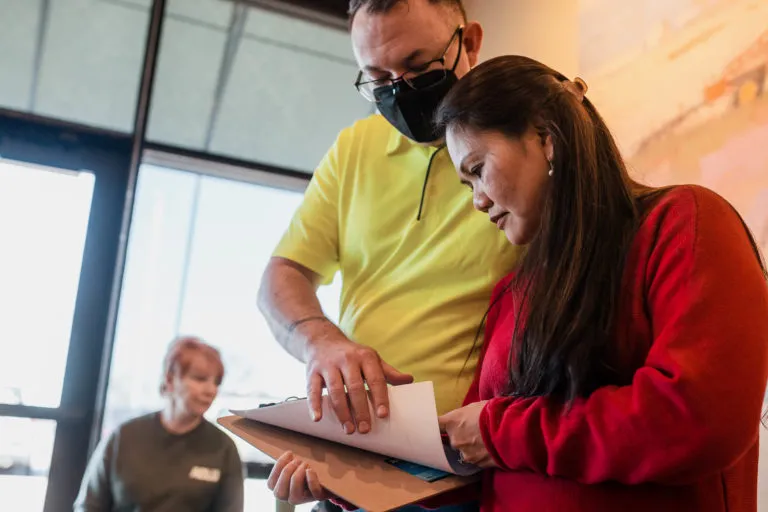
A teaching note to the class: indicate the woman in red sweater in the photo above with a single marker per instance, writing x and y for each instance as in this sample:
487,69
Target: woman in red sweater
625,360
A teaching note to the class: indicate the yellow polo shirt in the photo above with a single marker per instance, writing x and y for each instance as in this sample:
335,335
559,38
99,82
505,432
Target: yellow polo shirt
414,290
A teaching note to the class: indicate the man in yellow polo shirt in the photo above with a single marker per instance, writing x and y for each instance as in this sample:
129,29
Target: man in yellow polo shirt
386,209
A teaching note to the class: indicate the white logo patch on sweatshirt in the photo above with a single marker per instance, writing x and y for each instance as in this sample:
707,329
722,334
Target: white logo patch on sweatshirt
205,474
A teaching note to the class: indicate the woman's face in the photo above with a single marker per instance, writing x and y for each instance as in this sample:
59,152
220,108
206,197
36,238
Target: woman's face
508,177
195,391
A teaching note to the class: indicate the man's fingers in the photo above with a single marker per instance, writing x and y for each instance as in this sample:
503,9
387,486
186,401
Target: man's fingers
298,493
338,397
282,489
317,491
395,377
358,399
277,469
377,384
315,396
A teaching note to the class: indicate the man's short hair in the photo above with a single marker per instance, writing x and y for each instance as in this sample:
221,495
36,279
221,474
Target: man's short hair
384,6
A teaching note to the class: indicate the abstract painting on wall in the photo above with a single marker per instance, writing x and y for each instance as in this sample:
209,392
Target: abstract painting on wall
683,84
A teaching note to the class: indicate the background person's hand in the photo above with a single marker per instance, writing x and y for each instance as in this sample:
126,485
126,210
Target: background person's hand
292,480
345,367
463,428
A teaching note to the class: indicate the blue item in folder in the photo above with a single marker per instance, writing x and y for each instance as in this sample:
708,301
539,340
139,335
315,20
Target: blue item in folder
419,471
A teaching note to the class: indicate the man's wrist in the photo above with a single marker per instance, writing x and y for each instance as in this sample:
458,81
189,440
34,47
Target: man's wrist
316,318
316,335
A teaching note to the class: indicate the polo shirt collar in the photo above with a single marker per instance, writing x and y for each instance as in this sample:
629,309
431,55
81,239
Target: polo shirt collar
397,142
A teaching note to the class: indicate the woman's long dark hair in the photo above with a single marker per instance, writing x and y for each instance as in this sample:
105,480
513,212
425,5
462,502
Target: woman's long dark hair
571,275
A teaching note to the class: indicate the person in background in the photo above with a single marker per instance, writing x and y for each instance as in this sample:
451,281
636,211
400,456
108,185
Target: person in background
385,210
172,460
625,360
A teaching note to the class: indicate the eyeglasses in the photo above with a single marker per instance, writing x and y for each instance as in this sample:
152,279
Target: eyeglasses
425,76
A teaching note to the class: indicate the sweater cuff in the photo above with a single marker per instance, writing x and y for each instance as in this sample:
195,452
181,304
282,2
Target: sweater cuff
485,431
343,504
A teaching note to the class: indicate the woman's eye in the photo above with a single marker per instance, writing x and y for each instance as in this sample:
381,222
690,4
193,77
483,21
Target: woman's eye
477,171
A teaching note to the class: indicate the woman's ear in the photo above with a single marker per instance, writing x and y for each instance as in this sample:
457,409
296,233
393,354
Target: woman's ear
167,386
549,147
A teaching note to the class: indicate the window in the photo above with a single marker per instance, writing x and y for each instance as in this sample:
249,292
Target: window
197,248
26,445
60,203
39,275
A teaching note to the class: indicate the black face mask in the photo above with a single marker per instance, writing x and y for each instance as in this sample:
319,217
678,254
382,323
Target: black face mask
411,110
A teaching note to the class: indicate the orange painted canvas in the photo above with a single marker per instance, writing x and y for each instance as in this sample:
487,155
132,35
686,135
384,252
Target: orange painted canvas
684,86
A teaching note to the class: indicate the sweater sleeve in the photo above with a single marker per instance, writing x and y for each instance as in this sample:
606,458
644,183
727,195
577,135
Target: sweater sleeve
96,489
230,496
693,409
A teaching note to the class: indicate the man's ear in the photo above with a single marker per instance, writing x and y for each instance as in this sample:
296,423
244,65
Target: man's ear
473,41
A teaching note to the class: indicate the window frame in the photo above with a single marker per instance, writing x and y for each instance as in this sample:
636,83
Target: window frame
43,142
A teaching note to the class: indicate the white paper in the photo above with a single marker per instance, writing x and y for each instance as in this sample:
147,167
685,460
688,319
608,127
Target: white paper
411,432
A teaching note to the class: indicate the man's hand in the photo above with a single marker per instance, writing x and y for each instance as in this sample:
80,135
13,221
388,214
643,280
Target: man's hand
292,480
463,429
345,367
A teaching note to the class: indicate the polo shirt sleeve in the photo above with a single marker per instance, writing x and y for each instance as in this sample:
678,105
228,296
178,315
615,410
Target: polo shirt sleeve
312,238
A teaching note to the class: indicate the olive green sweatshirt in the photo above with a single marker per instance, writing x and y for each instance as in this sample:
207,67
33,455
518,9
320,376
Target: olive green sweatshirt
142,467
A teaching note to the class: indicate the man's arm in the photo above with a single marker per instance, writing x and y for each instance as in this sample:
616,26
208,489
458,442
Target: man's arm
308,255
288,301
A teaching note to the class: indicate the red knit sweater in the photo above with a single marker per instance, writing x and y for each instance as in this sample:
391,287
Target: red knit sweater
683,436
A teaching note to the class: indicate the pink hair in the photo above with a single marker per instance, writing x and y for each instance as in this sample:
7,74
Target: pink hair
179,357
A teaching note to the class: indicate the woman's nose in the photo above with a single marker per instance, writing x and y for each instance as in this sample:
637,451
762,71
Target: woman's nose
481,201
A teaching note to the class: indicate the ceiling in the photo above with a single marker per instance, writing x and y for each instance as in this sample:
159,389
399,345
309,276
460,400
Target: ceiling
336,8
328,12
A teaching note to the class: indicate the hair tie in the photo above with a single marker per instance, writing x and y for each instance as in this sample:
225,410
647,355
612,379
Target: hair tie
578,87
582,84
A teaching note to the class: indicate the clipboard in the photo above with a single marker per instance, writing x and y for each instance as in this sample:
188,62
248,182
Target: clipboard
375,482
357,476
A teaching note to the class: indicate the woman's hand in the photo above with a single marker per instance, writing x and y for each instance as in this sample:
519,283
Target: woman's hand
292,480
463,429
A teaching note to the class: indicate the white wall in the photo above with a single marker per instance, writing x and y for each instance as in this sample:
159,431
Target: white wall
546,30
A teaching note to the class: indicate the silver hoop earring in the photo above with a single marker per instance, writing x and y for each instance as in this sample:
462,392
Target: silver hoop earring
551,168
